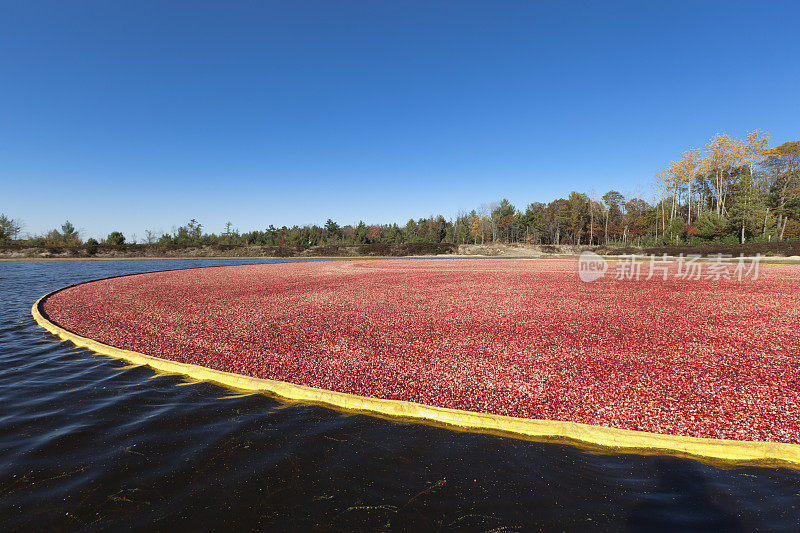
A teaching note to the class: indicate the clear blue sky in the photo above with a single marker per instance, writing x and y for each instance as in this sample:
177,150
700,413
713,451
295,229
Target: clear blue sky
140,115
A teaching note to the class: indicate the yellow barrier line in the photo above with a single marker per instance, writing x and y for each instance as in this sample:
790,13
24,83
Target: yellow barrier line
621,440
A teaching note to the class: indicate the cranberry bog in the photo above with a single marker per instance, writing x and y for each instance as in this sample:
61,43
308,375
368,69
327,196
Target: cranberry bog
706,367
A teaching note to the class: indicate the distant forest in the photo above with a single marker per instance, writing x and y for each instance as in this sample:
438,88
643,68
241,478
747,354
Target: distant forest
730,191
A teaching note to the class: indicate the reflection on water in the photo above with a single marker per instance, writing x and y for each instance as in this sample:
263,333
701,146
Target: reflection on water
88,441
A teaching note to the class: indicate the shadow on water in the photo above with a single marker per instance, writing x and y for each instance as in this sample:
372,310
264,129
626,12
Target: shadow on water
680,502
88,442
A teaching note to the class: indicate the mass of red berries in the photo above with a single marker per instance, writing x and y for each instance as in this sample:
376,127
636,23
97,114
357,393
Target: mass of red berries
707,358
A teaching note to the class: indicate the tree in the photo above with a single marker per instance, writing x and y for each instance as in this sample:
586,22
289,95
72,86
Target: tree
755,149
374,233
727,175
746,210
195,230
181,236
9,228
332,229
724,154
688,167
361,233
661,181
395,234
230,235
578,209
613,200
677,226
475,226
783,164
636,220
484,212
710,225
410,230
535,222
673,181
595,208
557,218
69,235
438,229
115,238
502,219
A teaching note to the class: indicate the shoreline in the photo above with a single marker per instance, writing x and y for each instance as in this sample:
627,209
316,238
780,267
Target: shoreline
784,251
777,260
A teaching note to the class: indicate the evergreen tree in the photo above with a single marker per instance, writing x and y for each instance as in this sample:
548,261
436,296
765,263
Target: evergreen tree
747,208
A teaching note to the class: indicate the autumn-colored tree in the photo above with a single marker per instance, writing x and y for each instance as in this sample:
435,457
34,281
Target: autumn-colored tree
724,153
595,209
687,169
783,164
476,226
674,182
557,216
636,217
502,219
613,201
373,232
755,149
578,211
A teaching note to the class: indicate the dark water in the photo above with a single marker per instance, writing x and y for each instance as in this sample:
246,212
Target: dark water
87,442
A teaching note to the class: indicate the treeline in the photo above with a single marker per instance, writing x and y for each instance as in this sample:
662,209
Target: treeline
730,191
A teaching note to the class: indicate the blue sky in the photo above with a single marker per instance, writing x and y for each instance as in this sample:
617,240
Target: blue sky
141,115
